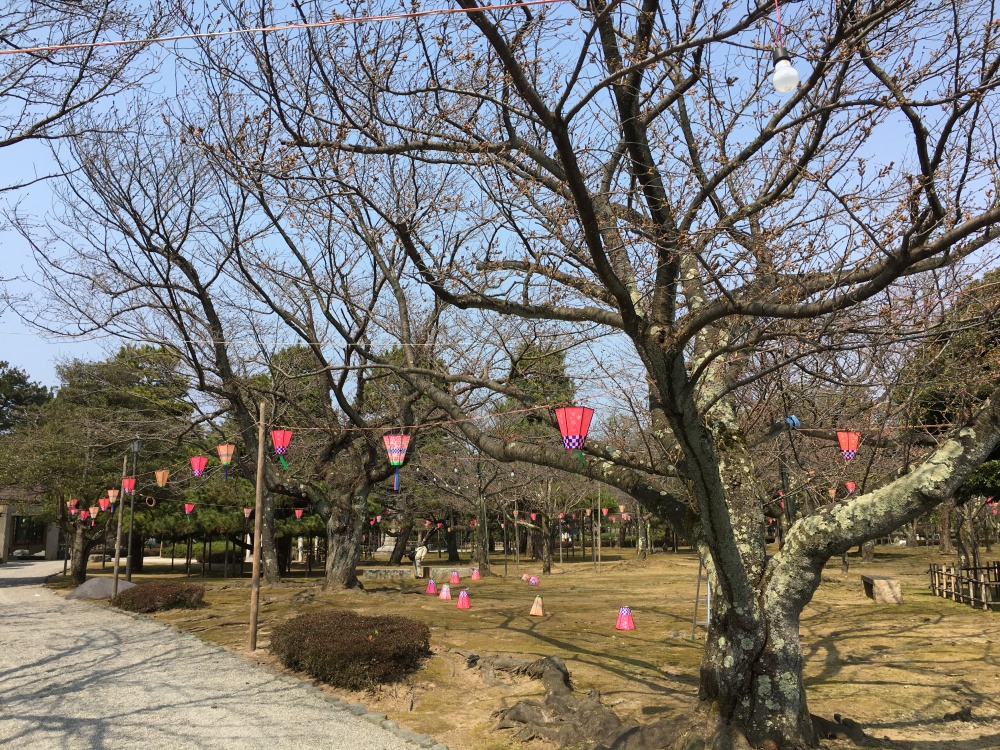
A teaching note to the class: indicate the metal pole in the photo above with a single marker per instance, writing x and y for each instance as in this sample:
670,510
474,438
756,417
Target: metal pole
258,527
118,535
131,520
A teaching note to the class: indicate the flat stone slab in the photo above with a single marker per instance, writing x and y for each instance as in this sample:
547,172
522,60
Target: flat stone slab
97,588
384,574
441,574
883,589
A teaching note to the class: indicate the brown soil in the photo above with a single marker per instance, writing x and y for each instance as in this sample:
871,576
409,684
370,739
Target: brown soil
897,670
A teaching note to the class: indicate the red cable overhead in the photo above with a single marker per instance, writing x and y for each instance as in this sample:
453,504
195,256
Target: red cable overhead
281,27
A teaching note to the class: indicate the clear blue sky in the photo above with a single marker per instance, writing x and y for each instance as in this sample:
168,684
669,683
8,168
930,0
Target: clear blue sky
19,344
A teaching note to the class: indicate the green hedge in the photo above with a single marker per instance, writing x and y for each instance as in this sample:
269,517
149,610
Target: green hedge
351,651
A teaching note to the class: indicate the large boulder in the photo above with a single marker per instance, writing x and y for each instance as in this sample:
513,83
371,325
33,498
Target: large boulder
97,588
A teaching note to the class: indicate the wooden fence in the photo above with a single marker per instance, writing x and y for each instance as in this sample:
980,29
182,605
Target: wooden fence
977,587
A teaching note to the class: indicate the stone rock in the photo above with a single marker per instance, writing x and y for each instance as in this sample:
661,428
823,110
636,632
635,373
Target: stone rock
883,589
97,588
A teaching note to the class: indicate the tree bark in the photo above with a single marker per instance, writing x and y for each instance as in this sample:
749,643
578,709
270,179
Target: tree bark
868,552
451,540
270,570
344,529
81,550
547,536
399,548
944,527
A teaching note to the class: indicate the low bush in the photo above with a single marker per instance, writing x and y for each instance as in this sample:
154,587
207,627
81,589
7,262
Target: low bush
351,651
158,595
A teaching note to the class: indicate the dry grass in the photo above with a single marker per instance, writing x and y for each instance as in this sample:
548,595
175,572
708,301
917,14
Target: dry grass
895,669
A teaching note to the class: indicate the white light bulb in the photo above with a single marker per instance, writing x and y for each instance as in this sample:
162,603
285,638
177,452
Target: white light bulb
785,78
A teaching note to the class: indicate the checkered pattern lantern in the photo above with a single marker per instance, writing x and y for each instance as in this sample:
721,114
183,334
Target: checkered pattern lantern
848,440
395,446
574,423
198,464
281,439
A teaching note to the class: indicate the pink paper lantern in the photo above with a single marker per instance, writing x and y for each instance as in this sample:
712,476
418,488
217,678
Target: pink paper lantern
849,440
625,619
198,464
298,512
463,600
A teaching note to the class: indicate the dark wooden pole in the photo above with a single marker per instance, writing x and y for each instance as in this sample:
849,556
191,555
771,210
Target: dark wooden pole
257,530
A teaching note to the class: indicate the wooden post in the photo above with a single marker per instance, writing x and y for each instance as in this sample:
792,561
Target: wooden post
258,527
118,535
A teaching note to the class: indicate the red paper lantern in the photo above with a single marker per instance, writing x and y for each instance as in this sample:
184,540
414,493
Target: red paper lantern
298,512
534,516
247,512
188,508
604,511
84,514
128,484
198,464
281,439
472,522
850,487
574,423
104,502
849,441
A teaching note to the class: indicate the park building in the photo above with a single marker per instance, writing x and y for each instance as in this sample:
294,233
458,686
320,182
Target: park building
22,532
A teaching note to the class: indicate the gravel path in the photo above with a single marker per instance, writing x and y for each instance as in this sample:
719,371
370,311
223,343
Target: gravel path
74,675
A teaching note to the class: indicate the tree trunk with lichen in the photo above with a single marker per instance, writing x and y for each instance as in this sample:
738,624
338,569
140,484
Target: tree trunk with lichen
270,570
345,522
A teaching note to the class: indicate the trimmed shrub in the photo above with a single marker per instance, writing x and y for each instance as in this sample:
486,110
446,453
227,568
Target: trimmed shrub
351,651
158,595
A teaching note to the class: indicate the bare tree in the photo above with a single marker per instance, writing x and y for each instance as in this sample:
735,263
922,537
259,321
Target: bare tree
51,70
625,171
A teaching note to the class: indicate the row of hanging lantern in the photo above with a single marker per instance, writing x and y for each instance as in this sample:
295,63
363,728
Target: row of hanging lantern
574,423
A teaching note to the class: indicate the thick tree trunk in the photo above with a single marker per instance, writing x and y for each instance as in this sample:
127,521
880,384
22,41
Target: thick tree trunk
868,552
138,542
944,527
344,529
78,570
399,548
451,540
756,695
270,571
